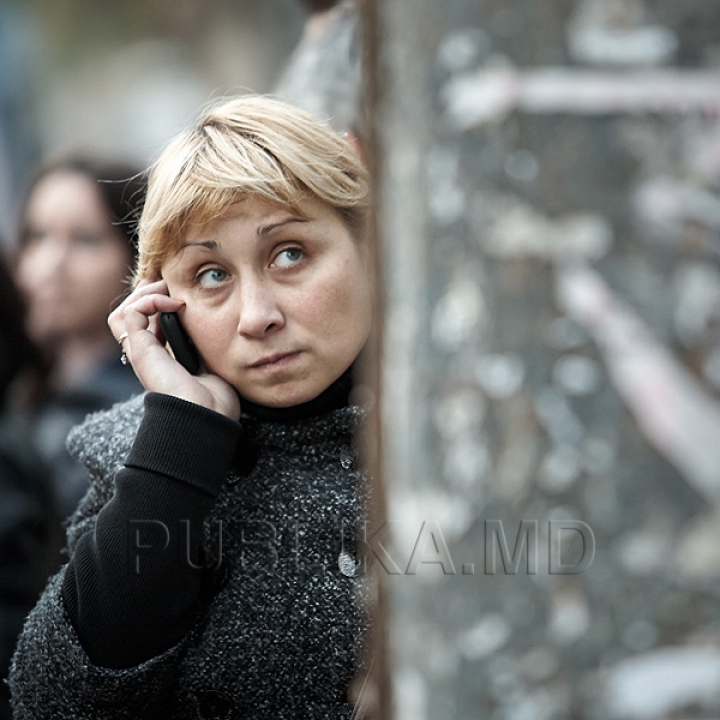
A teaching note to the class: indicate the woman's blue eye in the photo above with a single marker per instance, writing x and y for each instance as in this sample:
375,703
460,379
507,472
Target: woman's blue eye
212,277
289,257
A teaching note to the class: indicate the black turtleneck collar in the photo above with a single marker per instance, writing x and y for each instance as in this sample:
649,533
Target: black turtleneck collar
332,398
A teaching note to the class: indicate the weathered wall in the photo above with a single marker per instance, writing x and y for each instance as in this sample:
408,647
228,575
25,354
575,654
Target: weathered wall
549,214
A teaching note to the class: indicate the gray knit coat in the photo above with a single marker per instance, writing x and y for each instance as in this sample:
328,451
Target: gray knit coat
281,628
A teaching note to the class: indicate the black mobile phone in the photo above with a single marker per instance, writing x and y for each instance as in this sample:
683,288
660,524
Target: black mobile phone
180,343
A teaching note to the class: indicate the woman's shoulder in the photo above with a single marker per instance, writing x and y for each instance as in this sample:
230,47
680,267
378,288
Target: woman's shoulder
102,441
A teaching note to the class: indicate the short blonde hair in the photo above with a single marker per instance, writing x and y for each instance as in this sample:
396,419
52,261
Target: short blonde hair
247,146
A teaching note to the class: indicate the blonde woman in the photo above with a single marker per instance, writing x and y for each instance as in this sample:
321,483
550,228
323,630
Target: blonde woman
208,576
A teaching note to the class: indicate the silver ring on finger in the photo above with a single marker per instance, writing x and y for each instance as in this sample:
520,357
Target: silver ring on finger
123,354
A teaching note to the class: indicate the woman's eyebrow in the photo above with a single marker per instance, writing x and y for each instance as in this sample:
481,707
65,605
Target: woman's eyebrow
265,229
209,244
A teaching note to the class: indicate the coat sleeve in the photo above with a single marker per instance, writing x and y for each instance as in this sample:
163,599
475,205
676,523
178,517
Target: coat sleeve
106,637
52,676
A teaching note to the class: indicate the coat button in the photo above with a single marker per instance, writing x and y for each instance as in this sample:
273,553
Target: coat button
214,705
347,460
349,567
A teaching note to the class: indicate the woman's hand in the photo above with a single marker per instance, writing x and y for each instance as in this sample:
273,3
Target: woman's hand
137,317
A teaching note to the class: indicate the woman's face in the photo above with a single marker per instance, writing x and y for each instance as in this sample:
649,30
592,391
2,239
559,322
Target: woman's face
278,304
73,265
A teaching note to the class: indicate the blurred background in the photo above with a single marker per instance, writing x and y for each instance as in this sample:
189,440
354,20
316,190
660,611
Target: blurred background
119,79
549,215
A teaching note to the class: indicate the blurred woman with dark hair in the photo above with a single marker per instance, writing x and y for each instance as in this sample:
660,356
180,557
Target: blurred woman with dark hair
30,529
77,247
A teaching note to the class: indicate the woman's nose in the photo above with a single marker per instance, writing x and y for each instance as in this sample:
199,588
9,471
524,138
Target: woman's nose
259,310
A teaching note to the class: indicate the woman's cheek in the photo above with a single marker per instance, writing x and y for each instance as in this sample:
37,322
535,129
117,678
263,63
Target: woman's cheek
211,332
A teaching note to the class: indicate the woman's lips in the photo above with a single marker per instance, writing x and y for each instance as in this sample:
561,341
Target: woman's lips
272,362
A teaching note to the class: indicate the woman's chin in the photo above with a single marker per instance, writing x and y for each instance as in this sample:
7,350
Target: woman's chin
291,390
279,398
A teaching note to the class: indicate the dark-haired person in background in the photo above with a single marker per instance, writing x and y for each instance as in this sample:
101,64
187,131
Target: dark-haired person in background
76,251
30,529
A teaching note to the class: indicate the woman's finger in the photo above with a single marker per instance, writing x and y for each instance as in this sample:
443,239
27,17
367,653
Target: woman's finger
131,323
143,288
137,326
116,319
137,315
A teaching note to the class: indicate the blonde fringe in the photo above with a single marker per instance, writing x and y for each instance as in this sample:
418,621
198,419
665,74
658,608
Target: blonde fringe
247,146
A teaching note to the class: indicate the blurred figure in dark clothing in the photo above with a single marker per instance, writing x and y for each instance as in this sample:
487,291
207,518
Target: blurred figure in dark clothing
30,526
76,251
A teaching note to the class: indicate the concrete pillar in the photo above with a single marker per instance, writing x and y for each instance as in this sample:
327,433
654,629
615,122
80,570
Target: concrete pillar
548,216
